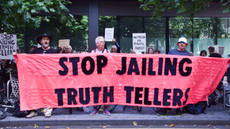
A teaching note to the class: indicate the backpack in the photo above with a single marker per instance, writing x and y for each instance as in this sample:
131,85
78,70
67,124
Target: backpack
213,98
195,109
17,112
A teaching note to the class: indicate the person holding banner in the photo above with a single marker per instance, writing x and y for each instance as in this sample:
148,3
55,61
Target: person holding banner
157,51
203,53
100,43
182,43
150,51
44,40
219,88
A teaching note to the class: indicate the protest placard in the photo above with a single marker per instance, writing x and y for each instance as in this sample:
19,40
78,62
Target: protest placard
8,45
139,42
221,50
109,33
63,42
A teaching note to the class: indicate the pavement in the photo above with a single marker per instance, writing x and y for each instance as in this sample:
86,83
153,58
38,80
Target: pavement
215,115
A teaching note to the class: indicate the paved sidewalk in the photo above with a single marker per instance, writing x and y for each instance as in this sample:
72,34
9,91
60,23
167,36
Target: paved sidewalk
215,115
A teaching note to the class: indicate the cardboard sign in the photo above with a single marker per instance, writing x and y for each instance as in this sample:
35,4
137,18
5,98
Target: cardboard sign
139,42
109,34
8,45
149,80
63,42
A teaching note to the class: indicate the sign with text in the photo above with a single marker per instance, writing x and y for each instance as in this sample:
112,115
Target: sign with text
221,50
109,34
149,80
139,42
63,42
8,45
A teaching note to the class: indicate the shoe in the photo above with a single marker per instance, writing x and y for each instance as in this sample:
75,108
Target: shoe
94,112
106,112
32,114
179,112
47,112
162,112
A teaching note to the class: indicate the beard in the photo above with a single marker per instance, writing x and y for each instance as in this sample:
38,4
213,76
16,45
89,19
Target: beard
45,45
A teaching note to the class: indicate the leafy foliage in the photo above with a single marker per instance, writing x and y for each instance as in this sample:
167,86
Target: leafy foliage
77,32
182,7
26,13
30,18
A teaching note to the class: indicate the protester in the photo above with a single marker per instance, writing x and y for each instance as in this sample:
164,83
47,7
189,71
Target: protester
4,76
150,51
212,53
32,48
182,43
228,77
228,82
219,88
44,40
203,53
100,43
67,50
157,51
115,48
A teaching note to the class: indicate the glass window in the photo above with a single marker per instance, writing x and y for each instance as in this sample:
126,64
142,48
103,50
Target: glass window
203,34
124,27
223,36
179,27
155,32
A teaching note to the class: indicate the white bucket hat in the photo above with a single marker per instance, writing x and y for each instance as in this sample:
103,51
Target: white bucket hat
182,39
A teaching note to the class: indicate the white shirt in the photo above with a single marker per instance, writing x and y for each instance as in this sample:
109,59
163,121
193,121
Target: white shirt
96,51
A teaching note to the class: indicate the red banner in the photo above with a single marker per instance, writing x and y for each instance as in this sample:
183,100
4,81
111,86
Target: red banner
150,80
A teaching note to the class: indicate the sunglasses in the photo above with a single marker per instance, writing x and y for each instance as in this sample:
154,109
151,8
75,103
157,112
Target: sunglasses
182,42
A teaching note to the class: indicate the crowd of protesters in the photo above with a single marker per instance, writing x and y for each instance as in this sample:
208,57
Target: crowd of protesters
44,40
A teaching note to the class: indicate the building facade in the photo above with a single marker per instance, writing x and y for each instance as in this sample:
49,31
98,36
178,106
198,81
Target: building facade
209,27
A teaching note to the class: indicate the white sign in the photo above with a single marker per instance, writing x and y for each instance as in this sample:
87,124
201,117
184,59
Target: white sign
8,45
109,33
216,48
219,49
139,42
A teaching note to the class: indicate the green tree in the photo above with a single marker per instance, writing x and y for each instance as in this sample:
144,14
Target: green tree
30,18
183,7
27,13
77,32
